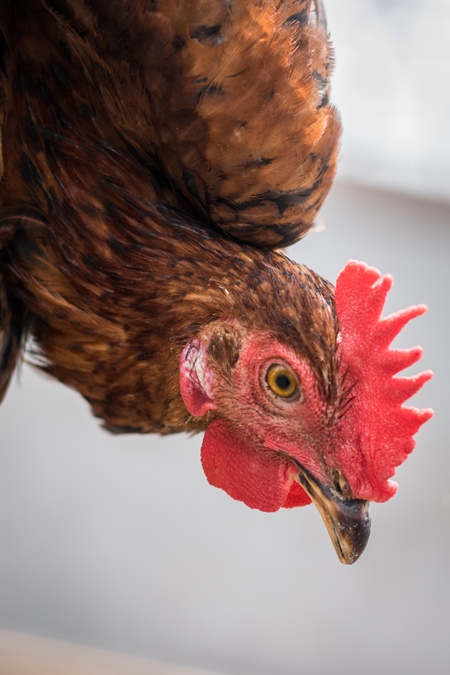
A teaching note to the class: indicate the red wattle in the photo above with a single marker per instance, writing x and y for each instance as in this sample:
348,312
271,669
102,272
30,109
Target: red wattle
260,478
296,497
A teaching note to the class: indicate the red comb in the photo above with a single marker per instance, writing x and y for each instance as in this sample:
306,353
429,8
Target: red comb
375,432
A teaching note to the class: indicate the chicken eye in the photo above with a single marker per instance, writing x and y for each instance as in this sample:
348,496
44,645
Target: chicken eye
281,381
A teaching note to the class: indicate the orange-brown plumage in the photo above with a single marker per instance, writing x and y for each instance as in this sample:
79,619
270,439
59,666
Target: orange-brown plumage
213,108
156,154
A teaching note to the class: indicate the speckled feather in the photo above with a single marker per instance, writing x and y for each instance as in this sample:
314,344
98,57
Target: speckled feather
229,97
116,296
138,137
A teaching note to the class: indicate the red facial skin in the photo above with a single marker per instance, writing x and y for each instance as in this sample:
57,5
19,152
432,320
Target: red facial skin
246,449
256,440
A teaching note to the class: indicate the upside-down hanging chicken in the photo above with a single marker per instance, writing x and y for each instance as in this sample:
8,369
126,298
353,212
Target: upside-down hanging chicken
156,154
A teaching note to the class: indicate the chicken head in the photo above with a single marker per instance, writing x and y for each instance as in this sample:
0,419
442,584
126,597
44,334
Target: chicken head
278,437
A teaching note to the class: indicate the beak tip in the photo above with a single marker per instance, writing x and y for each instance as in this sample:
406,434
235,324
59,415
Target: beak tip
351,537
347,520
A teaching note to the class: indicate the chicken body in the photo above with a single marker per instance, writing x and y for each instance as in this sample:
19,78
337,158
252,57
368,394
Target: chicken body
130,131
155,154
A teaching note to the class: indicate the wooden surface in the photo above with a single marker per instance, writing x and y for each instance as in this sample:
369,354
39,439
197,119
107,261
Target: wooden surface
22,654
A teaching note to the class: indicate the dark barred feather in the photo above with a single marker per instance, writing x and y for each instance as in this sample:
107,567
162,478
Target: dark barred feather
141,142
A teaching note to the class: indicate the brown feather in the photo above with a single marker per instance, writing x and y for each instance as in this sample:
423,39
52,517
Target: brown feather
135,142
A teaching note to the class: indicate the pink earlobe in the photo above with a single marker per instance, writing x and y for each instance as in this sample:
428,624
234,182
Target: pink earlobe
195,379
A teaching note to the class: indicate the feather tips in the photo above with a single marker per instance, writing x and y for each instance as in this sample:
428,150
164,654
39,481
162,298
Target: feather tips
237,97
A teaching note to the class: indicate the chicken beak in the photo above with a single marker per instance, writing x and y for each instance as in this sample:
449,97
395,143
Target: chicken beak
347,520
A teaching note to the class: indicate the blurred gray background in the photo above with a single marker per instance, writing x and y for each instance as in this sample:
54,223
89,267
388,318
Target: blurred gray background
120,542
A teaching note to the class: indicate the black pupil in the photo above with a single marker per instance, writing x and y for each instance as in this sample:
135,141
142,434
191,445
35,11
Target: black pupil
283,382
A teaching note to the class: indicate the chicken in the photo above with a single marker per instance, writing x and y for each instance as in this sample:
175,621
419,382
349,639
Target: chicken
156,157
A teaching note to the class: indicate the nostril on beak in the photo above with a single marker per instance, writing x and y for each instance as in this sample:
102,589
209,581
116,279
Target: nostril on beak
341,484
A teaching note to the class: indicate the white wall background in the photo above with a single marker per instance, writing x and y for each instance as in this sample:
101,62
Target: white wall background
120,542
391,84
